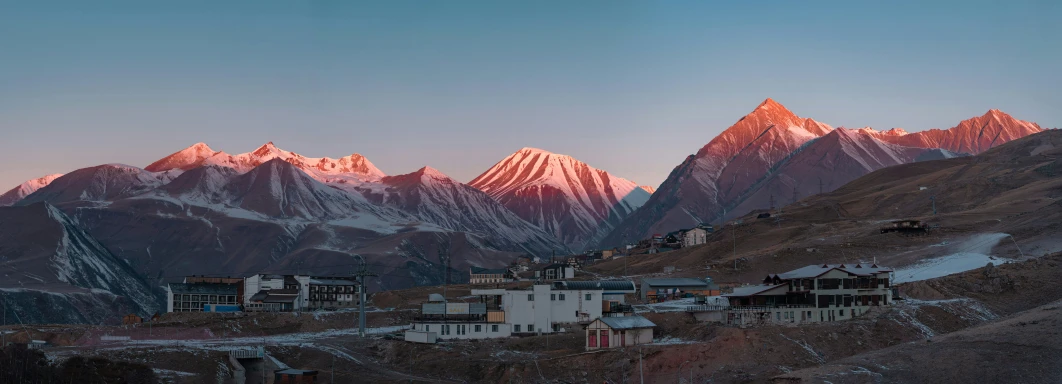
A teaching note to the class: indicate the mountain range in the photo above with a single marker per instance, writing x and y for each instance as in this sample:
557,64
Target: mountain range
199,210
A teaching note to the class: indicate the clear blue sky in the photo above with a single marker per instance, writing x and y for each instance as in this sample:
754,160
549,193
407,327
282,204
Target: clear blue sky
629,87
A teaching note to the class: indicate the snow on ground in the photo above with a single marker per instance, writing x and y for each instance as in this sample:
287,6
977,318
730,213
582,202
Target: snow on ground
291,339
668,340
973,253
678,305
171,373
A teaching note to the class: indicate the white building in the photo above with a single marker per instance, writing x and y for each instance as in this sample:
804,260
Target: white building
540,309
477,275
695,236
814,293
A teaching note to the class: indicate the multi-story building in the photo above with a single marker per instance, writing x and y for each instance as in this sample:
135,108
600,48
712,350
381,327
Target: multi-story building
332,293
544,308
194,297
477,275
814,293
695,236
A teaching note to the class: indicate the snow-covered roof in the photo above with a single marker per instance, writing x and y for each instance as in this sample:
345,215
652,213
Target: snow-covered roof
816,270
627,322
675,282
751,290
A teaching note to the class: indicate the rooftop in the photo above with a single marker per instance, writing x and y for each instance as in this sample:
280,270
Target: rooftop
332,282
676,282
613,285
818,269
203,288
627,322
487,271
751,290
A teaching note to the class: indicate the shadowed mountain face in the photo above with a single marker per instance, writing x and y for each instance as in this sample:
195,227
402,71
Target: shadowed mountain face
47,258
574,202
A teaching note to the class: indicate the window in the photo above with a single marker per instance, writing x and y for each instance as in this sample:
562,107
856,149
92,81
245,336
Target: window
516,328
494,328
778,316
588,297
479,328
427,327
531,297
553,297
562,297
530,327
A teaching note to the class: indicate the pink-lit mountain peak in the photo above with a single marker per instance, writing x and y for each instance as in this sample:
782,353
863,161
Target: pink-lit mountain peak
323,168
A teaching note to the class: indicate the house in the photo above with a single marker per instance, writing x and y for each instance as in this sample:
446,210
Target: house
333,293
294,376
556,272
132,318
662,288
194,297
694,236
618,332
706,227
673,239
657,239
477,275
815,293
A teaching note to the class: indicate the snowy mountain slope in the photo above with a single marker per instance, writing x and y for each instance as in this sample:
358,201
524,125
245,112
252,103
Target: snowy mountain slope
351,168
436,198
647,188
45,250
566,197
973,135
705,184
98,184
25,189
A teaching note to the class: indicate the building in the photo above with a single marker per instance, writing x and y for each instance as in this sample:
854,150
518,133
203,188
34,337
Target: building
556,272
193,297
618,332
132,318
611,290
439,319
815,293
477,275
273,300
906,227
294,376
662,288
695,236
333,293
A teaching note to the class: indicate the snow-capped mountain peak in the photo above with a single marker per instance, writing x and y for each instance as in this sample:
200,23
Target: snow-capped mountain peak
561,194
352,168
26,188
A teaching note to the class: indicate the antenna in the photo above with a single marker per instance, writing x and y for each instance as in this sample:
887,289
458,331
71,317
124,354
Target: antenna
772,202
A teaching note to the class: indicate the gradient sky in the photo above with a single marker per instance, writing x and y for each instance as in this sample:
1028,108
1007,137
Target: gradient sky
629,87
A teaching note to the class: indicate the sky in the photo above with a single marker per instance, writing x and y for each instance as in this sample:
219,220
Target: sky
631,87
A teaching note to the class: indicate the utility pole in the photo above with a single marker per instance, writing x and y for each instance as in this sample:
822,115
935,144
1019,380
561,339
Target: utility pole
733,232
796,195
641,373
772,202
361,297
933,199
